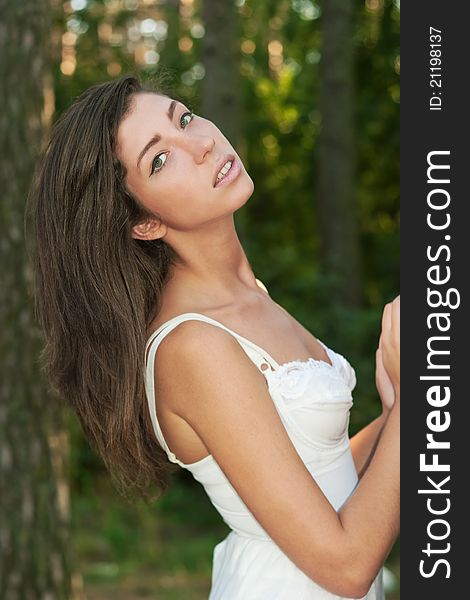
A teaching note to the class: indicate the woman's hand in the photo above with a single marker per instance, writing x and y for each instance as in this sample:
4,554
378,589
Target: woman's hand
389,344
383,383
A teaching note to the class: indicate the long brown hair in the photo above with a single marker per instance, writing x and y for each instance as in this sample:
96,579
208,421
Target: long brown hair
97,289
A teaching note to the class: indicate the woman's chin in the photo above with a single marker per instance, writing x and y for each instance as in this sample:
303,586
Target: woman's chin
247,192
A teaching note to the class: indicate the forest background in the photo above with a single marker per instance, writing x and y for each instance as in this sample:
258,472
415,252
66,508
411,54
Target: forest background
308,93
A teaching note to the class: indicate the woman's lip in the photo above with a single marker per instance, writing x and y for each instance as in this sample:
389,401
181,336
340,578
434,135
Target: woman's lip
232,173
221,163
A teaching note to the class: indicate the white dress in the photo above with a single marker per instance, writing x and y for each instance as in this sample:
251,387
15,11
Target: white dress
313,399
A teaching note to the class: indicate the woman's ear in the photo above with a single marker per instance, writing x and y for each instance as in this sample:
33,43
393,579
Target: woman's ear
149,229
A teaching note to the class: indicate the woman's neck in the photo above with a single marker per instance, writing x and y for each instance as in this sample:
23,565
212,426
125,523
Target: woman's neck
214,268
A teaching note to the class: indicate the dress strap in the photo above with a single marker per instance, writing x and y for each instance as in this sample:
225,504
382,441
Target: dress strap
260,357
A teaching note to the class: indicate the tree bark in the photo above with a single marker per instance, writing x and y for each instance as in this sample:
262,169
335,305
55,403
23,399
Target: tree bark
220,92
337,207
172,54
34,508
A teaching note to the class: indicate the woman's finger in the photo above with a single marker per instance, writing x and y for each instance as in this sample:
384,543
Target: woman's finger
395,316
386,318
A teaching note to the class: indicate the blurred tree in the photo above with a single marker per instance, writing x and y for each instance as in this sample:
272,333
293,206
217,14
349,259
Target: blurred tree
172,53
220,88
34,508
337,208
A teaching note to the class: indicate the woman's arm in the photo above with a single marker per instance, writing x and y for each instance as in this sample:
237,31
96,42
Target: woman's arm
364,443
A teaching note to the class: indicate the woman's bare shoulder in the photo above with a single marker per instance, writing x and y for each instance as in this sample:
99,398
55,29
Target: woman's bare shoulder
192,345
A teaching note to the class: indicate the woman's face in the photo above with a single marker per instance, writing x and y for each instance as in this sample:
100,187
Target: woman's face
172,158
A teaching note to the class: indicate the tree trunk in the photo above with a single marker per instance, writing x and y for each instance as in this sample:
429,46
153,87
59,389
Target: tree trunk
220,95
337,208
172,54
34,509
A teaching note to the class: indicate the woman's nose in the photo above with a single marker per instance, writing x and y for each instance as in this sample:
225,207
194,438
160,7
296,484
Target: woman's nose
200,145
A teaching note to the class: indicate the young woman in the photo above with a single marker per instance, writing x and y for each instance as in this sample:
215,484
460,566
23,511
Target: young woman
168,347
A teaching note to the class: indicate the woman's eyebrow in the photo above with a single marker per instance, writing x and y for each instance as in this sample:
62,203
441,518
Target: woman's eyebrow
157,137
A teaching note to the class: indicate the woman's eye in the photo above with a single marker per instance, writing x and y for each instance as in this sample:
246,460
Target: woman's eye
158,162
187,114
